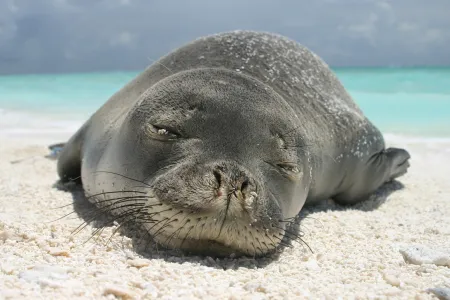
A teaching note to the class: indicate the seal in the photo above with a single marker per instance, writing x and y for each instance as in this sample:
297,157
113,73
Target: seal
214,147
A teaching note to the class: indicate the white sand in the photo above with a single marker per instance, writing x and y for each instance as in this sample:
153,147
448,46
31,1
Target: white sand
397,250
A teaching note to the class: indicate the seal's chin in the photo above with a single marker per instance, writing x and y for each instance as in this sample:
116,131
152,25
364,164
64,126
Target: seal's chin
214,248
206,248
215,234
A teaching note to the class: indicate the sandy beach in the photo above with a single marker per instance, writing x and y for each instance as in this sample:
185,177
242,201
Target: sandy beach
394,245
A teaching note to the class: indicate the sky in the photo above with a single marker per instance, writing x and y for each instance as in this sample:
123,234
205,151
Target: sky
53,36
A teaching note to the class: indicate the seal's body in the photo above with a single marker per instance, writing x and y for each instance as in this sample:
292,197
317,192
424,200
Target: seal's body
218,143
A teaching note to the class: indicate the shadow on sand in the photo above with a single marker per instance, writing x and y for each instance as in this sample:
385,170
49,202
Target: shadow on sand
143,244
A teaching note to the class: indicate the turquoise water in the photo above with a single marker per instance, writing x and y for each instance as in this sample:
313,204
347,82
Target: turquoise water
398,100
408,101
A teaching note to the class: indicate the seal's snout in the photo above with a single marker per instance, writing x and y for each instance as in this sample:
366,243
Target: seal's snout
213,207
235,182
214,188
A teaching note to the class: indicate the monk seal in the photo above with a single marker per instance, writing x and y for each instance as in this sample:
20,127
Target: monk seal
213,147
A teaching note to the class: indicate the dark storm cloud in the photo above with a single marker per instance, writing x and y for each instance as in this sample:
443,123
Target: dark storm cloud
88,35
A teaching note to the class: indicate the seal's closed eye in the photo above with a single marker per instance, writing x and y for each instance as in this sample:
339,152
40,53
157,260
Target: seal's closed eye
162,133
289,167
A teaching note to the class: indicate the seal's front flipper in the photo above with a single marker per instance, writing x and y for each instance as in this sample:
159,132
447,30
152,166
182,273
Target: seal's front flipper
56,146
380,168
69,160
55,150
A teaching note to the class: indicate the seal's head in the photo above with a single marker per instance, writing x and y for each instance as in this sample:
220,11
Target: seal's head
220,159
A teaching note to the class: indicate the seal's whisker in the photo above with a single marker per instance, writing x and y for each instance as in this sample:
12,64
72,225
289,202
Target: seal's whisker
201,230
114,173
288,233
157,223
265,245
115,192
124,223
60,218
94,233
119,200
302,228
99,211
74,179
254,249
161,230
267,236
173,234
292,236
126,202
121,210
281,241
71,204
59,207
315,219
187,234
303,242
109,207
255,238
144,237
181,227
149,216
142,187
83,225
225,217
117,218
170,221
167,223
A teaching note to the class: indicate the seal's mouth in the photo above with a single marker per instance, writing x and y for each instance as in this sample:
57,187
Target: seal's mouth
209,233
222,231
208,248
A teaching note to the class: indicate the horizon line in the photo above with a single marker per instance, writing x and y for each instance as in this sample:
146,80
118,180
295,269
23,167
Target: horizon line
418,67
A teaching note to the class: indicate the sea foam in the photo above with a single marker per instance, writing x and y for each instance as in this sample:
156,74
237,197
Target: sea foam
20,123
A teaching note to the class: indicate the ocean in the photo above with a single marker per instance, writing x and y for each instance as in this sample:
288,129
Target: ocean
412,102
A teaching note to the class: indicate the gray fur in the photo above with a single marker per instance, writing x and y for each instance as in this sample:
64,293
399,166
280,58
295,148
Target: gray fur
260,125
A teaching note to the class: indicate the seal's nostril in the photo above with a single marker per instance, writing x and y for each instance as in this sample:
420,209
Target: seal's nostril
218,177
244,185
